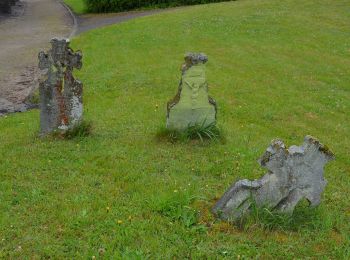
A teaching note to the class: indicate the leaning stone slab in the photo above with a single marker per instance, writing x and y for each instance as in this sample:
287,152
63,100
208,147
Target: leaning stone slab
293,174
192,105
61,102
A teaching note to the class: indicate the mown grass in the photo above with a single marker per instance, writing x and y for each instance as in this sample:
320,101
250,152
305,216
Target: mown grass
276,69
78,6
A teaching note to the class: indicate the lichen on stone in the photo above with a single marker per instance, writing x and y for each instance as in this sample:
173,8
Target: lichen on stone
61,94
293,174
192,105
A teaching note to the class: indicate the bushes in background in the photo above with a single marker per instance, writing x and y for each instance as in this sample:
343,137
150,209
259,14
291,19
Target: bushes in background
100,6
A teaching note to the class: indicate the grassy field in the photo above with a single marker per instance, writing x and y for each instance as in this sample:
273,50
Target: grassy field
276,68
77,6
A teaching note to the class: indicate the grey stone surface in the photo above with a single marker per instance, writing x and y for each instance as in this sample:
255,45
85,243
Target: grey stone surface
293,174
192,105
9,107
60,94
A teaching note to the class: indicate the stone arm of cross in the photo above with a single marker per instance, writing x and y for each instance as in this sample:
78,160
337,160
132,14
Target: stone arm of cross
44,60
74,59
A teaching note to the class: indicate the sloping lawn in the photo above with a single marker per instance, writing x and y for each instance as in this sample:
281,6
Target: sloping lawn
276,68
77,6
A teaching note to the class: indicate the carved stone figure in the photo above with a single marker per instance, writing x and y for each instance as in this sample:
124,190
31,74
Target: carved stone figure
192,105
60,94
293,174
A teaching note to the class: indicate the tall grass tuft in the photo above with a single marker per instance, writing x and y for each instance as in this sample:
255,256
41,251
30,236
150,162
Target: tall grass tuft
200,132
303,217
83,129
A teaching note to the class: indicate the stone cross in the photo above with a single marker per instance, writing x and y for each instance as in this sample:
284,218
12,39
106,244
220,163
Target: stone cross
293,174
60,94
192,105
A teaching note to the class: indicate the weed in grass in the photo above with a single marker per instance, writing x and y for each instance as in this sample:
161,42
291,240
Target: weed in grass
199,132
303,217
83,129
133,254
177,207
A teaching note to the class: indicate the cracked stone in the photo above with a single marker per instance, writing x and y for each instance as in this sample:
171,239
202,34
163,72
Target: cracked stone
293,174
61,102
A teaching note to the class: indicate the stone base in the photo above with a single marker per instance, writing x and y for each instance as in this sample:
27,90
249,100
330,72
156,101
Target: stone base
181,118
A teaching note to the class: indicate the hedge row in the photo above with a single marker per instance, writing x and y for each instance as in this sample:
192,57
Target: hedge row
104,6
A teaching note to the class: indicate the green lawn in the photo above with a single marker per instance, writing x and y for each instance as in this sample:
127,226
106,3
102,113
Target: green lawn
276,68
77,6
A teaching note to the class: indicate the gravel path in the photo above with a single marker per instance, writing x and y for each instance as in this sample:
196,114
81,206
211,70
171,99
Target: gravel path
23,35
29,30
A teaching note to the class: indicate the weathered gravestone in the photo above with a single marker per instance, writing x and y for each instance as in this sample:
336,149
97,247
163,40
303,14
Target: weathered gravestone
192,105
60,94
5,5
294,174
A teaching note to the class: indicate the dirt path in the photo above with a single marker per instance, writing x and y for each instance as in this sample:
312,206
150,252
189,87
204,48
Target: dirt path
22,36
28,31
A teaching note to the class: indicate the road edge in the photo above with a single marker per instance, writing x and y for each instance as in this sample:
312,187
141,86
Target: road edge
74,19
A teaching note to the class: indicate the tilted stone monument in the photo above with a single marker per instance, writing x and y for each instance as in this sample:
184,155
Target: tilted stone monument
293,174
60,94
192,105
